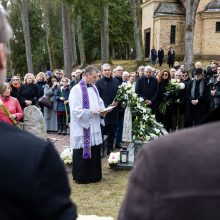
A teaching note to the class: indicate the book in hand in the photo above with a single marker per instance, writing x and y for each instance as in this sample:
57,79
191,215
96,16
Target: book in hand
109,108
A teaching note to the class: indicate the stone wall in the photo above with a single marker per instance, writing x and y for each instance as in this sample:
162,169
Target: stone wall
165,28
157,34
202,5
148,19
160,27
199,28
210,38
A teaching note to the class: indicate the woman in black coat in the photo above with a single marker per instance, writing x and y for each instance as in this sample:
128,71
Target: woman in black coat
29,92
165,119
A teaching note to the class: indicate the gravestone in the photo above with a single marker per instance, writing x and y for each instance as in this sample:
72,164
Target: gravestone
34,122
130,164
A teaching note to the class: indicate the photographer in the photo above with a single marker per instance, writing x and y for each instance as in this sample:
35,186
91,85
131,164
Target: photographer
211,71
215,92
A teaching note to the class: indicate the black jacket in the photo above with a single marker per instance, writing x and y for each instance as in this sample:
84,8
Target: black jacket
171,57
147,88
108,88
41,85
196,112
33,185
28,92
160,54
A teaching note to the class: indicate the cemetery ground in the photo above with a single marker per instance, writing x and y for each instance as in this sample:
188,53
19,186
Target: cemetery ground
103,198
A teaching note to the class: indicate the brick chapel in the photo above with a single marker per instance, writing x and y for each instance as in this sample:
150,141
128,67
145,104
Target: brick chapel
163,23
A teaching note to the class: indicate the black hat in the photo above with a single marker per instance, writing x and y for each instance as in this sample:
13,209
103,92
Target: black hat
198,71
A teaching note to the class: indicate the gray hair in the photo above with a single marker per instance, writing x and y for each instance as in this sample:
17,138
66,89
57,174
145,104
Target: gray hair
105,65
5,29
119,68
140,68
125,73
90,69
148,68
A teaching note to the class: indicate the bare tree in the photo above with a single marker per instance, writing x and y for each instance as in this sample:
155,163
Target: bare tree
191,7
80,39
75,57
23,4
67,38
48,14
105,32
136,13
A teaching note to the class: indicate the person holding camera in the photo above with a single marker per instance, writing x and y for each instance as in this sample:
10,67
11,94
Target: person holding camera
215,92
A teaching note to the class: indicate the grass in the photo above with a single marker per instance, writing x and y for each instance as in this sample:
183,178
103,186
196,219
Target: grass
103,198
130,65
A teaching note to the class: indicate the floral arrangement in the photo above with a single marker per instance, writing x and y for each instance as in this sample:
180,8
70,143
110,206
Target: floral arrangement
67,156
173,88
144,124
6,111
114,158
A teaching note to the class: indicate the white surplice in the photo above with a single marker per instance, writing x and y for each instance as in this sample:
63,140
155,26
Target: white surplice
84,118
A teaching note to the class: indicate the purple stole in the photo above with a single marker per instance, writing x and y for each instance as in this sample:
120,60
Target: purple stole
86,131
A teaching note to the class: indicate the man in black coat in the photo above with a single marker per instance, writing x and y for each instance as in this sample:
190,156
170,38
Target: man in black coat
160,56
147,88
108,87
121,110
176,177
33,182
197,99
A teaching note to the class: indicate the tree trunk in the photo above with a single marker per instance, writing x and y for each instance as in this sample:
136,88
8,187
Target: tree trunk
191,9
105,33
67,38
80,40
9,60
75,57
25,24
113,52
49,33
135,7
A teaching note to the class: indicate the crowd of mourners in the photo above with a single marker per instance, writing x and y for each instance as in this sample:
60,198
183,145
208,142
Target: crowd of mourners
185,109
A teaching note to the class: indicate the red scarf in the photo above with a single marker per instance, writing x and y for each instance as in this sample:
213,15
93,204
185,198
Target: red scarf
16,85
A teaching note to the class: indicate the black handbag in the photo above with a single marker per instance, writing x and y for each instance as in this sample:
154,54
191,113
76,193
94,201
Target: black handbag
45,101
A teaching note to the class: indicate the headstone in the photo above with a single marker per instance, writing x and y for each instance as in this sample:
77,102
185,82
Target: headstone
137,146
34,122
130,164
131,153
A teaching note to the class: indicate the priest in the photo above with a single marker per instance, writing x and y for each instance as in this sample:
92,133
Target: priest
85,130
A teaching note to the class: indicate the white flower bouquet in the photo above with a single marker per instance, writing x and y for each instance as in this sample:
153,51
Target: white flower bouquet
114,158
173,88
144,124
67,156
